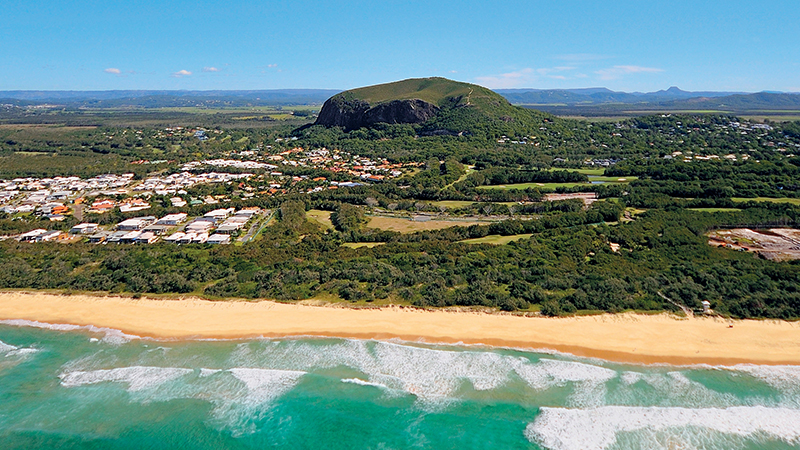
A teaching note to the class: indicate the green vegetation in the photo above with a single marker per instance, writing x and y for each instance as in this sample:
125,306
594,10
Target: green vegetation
496,239
501,244
793,201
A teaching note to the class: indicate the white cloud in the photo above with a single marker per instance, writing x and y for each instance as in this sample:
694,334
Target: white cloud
210,69
181,74
616,72
113,70
523,78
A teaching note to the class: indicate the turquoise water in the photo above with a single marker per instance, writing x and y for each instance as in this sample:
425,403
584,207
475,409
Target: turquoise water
81,388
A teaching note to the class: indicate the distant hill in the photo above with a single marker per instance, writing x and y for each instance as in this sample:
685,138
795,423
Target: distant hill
599,95
440,105
156,99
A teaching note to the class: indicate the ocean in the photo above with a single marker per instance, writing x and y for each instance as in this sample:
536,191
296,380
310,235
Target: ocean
68,387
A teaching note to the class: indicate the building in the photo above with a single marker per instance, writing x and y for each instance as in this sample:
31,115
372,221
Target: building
146,238
48,236
172,219
31,236
136,223
84,228
219,239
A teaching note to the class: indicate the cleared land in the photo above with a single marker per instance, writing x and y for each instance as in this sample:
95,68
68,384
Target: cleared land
362,244
496,239
776,243
593,179
410,226
321,217
713,210
793,201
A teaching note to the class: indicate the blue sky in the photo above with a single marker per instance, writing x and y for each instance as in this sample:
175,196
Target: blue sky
238,44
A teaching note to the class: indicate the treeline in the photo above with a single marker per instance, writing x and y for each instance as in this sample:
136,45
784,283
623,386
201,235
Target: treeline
567,264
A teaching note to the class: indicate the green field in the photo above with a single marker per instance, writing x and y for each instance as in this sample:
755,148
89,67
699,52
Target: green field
496,239
321,217
713,210
554,186
793,201
362,244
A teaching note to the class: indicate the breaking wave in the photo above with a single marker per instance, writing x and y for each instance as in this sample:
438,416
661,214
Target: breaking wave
110,335
137,378
658,427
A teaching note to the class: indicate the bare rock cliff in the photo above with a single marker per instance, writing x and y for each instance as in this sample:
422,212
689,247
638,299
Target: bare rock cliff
353,113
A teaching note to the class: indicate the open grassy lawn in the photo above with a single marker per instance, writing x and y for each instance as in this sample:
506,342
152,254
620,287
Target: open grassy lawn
496,239
410,226
362,244
713,210
793,201
321,217
554,186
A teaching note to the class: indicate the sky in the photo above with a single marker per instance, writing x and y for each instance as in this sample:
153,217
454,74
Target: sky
247,44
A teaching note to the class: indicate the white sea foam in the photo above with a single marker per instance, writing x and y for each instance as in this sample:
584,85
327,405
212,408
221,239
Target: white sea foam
780,377
589,380
137,377
266,384
656,427
110,335
433,375
208,372
8,350
667,389
363,383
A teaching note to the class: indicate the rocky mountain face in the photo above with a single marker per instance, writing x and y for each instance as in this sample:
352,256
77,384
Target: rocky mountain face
352,114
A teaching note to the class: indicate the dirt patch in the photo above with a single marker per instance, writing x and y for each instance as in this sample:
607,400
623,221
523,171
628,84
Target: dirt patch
409,226
587,197
778,244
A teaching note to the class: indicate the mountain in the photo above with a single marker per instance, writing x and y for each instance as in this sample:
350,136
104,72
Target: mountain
588,96
440,105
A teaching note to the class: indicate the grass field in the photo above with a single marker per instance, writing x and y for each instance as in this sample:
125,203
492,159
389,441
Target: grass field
496,239
410,226
793,201
554,186
713,210
321,217
362,244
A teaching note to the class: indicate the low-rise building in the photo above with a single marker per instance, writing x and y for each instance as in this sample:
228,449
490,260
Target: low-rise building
219,239
136,223
83,228
172,219
31,236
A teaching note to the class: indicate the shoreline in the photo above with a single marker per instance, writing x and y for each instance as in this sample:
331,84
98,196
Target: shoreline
626,338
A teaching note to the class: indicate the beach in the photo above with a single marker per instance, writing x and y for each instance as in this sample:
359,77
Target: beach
628,337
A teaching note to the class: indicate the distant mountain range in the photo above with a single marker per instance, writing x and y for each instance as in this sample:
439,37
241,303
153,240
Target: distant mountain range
156,99
557,101
600,95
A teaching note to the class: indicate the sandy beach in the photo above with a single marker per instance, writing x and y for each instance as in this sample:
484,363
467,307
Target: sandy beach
623,337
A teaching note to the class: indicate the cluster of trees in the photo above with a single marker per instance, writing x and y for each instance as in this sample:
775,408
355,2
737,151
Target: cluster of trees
567,264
